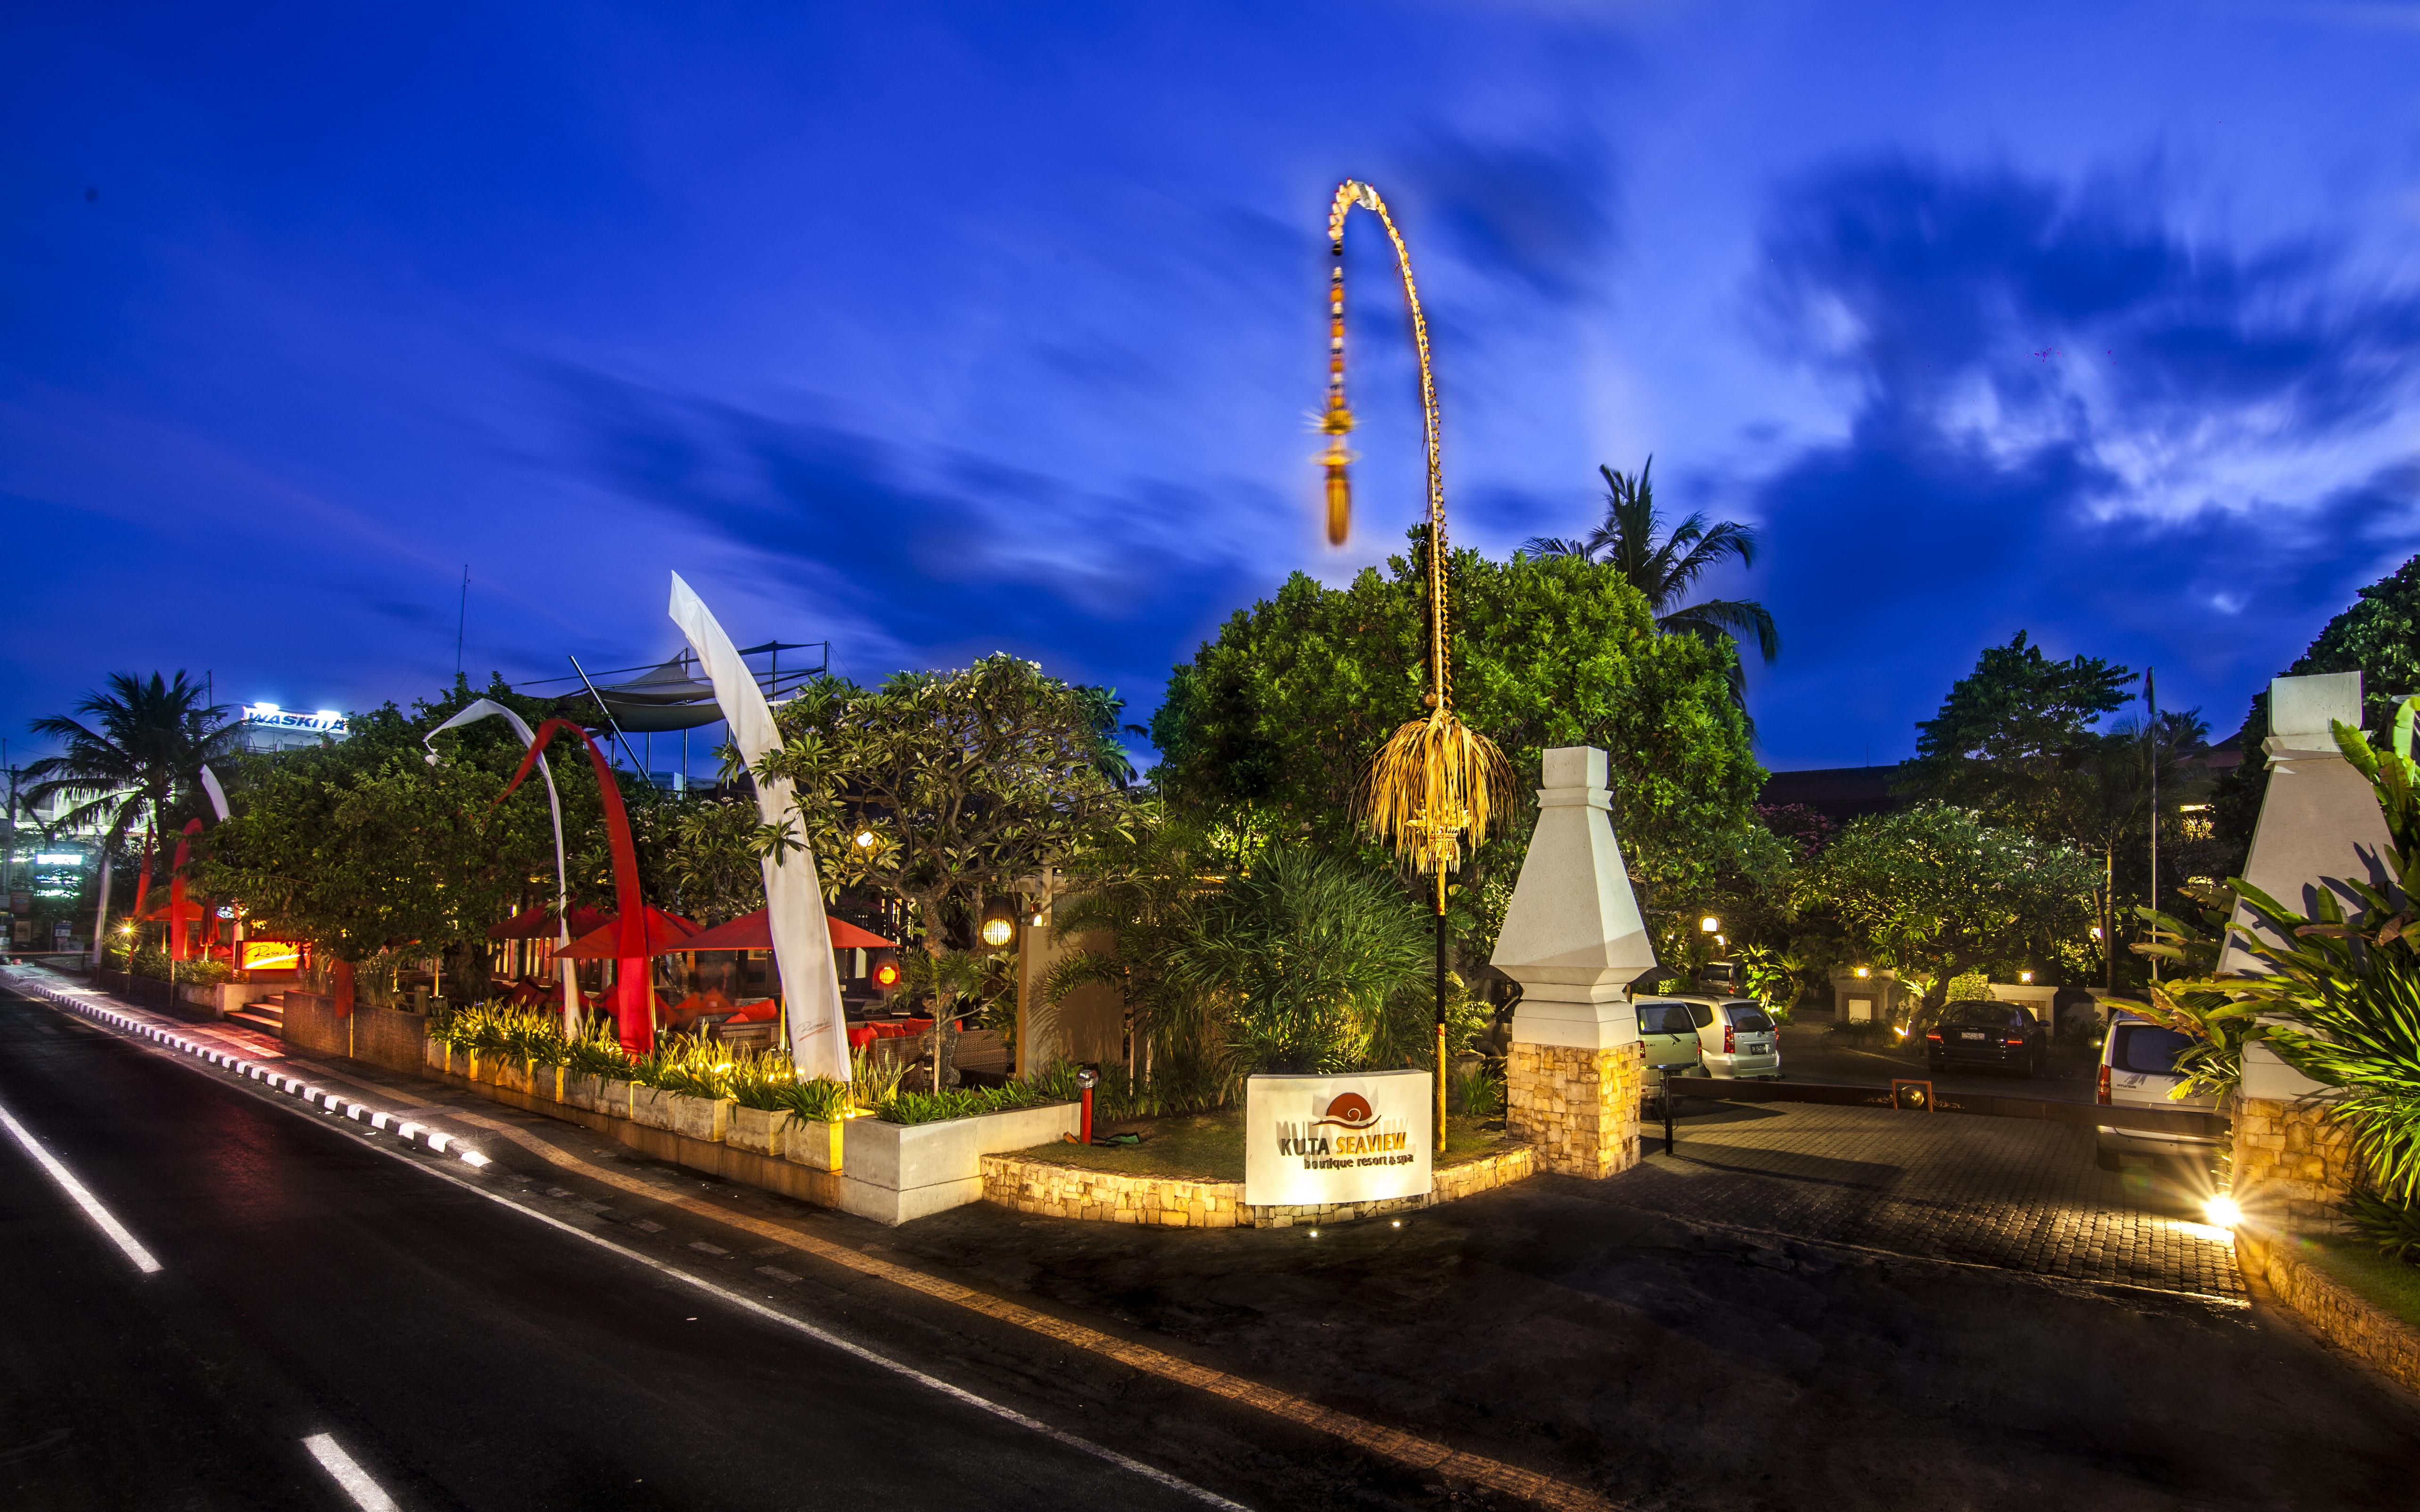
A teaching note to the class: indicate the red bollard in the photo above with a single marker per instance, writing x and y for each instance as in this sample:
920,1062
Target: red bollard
1086,1078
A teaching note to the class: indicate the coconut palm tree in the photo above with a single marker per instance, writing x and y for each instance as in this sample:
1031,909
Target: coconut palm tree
1663,566
140,749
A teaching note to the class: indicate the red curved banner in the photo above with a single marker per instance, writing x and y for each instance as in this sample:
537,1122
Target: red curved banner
632,1015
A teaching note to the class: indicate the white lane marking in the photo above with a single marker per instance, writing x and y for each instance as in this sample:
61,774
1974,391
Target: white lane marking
823,1336
102,1217
352,1477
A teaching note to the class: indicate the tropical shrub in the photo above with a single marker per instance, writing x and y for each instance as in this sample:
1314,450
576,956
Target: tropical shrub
2393,1227
959,1102
1302,958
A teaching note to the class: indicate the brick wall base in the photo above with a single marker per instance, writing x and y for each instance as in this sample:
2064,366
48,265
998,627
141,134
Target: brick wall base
1578,1107
1105,1197
2294,1166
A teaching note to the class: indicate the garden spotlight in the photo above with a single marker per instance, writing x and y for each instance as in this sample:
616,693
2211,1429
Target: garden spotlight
1709,925
865,839
2223,1213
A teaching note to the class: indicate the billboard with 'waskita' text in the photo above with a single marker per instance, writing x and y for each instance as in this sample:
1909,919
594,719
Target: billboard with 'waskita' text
1313,1140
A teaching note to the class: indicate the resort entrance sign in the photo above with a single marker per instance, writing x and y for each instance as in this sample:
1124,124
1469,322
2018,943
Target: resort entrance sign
1315,1140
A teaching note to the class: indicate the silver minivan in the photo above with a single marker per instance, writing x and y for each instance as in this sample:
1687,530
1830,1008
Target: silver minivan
1735,1036
2138,1067
1669,1031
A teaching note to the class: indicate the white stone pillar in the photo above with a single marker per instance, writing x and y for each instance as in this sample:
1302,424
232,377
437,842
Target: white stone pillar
2319,823
1574,939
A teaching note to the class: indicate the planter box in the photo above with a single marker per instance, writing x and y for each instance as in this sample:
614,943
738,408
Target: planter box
894,1173
807,1142
584,1091
701,1117
614,1098
759,1130
651,1107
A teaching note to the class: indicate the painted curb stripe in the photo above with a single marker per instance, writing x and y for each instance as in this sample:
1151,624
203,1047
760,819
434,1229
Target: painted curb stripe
80,1000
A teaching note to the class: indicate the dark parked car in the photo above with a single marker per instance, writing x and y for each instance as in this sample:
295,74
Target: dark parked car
1977,1033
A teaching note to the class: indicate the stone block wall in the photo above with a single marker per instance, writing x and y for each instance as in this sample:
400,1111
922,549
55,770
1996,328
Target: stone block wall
2343,1318
1051,1191
1579,1107
1105,1197
386,1037
2294,1166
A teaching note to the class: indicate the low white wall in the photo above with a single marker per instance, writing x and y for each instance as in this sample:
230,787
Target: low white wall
894,1173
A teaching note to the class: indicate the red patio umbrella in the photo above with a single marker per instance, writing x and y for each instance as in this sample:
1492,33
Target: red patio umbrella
538,924
604,942
754,932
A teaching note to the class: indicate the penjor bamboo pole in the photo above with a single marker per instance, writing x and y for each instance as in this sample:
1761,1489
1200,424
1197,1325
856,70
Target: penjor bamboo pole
1435,777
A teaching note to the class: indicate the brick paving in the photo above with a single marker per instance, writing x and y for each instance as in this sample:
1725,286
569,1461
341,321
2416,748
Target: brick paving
2012,1193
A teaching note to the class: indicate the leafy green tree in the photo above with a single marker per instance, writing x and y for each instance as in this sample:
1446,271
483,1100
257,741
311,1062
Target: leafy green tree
1269,729
138,750
2012,733
1935,891
945,788
1663,566
702,856
362,845
2377,636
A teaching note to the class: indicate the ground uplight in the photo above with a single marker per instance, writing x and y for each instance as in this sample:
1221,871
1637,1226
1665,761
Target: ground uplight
2223,1213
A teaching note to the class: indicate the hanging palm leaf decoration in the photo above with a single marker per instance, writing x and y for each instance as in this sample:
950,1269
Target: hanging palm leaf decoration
1436,779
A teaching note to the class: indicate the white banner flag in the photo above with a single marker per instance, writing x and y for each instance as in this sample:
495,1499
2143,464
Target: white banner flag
794,897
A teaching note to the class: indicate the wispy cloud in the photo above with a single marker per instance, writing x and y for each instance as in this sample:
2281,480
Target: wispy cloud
2068,418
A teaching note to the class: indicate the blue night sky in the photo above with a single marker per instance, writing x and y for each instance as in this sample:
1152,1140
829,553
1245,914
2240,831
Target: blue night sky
943,329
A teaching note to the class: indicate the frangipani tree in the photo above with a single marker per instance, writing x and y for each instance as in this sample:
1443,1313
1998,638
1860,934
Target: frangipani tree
946,789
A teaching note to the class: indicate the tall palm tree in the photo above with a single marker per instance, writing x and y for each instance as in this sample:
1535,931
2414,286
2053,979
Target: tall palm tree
142,747
1663,566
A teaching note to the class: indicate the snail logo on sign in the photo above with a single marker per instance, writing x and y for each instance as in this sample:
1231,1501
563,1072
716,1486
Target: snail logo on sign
1319,1140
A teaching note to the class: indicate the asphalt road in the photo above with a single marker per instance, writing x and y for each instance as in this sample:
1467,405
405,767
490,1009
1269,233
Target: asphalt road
461,1353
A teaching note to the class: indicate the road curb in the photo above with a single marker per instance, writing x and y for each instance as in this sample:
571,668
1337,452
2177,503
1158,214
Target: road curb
83,1001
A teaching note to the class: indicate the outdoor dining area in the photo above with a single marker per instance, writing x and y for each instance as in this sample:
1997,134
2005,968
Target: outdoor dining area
721,983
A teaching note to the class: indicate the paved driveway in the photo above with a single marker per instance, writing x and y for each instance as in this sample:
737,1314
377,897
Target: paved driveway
1672,1337
2012,1193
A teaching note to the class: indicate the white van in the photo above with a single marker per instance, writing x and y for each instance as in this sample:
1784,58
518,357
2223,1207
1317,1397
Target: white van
2138,1068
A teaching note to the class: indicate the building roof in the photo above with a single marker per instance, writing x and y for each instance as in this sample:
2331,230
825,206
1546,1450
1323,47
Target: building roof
1838,794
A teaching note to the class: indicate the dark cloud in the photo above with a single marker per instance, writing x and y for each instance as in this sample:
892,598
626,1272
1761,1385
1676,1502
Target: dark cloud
950,556
1942,523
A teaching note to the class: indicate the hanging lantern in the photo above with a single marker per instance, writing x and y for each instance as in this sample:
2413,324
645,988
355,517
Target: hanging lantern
884,973
998,924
